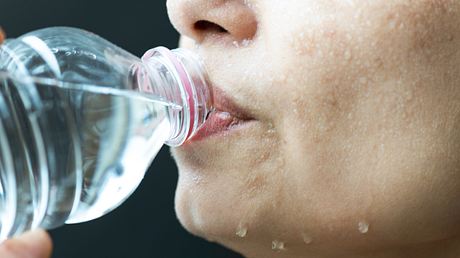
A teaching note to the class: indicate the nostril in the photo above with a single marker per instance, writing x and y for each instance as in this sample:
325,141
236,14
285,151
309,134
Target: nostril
207,26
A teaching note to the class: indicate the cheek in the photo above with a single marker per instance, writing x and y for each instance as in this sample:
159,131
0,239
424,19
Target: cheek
367,125
366,74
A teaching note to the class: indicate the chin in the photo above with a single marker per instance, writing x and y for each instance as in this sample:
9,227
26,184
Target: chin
212,214
225,181
204,209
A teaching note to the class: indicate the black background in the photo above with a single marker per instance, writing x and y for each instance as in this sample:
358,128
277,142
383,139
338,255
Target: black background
145,225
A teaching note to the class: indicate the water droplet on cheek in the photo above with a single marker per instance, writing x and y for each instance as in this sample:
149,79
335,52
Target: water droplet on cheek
363,80
347,55
392,24
243,43
349,36
351,2
246,42
363,227
307,239
278,246
271,128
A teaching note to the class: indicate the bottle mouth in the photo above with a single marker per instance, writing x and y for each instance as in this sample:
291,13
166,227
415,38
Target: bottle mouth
190,91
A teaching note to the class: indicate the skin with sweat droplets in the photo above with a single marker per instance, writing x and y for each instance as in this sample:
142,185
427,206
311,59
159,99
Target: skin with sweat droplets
353,149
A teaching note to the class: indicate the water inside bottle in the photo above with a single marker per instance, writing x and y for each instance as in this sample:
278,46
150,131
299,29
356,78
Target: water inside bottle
73,152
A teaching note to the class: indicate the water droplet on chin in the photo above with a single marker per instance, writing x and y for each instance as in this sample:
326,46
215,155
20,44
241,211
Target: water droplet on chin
363,227
241,231
196,179
278,245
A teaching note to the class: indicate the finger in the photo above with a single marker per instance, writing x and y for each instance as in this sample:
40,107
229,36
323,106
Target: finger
2,35
33,244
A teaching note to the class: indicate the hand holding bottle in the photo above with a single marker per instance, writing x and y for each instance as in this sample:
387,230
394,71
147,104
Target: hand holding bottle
33,244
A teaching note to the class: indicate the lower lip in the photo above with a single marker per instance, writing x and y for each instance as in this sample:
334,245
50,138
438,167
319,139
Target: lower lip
217,123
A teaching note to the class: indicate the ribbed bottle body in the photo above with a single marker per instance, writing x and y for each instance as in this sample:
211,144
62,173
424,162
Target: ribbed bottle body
82,119
76,131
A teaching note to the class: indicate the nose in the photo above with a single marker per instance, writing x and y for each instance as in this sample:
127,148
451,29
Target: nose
232,20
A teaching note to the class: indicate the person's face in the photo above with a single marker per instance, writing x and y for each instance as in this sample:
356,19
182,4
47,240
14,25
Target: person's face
354,147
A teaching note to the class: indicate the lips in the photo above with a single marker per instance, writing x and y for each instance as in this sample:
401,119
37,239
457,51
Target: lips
225,117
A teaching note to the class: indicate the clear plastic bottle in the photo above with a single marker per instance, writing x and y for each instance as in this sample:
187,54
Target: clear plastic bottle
81,120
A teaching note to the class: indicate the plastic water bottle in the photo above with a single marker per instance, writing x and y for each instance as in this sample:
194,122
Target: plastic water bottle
81,120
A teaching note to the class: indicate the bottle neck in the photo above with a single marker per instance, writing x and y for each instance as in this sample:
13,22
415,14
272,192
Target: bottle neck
180,78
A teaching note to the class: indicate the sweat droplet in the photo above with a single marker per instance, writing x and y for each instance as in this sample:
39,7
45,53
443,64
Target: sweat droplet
241,231
347,55
307,239
277,245
363,227
363,80
243,43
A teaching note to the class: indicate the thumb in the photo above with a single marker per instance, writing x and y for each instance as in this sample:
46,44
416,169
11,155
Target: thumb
2,35
33,244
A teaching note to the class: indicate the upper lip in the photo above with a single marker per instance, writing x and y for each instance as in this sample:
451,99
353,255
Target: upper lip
223,103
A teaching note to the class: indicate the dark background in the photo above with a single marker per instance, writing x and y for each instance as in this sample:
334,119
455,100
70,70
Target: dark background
145,225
